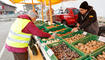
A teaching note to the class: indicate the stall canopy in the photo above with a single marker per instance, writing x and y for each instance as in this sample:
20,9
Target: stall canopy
16,1
52,1
47,2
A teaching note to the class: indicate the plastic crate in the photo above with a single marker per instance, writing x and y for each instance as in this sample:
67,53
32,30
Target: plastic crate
69,46
98,52
53,57
47,25
39,22
57,28
58,23
87,57
65,31
75,33
42,27
86,40
48,40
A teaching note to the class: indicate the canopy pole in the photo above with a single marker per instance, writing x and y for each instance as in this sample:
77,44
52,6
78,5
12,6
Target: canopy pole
42,11
28,3
33,6
51,20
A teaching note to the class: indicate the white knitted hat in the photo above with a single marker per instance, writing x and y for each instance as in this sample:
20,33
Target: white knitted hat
32,14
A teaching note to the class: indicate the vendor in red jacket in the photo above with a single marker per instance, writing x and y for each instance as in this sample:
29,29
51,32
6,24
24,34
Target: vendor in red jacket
20,33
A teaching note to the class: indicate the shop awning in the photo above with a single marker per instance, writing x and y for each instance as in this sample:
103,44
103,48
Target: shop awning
16,1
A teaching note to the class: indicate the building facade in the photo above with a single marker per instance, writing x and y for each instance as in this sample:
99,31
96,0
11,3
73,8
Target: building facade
6,9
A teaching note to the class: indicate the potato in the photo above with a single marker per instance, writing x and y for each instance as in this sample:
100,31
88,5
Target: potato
74,38
101,57
90,46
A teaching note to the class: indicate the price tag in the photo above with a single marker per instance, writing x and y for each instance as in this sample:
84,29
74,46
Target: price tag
53,23
50,52
50,32
85,33
101,39
49,23
76,31
43,45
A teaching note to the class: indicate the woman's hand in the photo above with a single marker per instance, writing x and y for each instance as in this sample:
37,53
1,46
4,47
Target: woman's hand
78,24
52,37
74,29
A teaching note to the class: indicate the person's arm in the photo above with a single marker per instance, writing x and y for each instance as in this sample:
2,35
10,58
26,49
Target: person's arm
78,23
79,18
32,29
89,20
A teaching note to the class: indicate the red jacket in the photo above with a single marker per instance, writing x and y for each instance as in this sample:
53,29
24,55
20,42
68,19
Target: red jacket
29,29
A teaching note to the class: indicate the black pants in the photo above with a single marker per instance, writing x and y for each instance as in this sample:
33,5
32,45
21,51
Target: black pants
21,56
32,46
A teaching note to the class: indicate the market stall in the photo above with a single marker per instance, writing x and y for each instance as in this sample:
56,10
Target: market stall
68,45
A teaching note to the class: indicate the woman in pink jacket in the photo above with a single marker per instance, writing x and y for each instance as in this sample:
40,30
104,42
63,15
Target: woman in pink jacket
30,28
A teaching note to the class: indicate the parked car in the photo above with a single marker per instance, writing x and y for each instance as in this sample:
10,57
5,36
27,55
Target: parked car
69,17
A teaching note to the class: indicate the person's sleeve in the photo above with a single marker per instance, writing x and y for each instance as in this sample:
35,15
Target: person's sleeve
78,19
32,29
89,20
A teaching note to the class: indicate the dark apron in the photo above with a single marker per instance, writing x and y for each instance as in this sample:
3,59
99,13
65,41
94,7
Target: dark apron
93,28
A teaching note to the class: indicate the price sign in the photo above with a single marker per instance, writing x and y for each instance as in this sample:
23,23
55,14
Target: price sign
75,30
85,33
1,7
43,45
101,39
50,52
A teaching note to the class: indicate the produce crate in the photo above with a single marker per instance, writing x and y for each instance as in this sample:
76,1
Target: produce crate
58,23
98,52
57,28
87,57
52,57
86,40
39,22
69,46
75,33
47,25
50,40
65,31
42,27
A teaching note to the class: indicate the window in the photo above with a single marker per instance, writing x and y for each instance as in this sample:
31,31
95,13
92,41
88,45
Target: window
66,11
75,11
